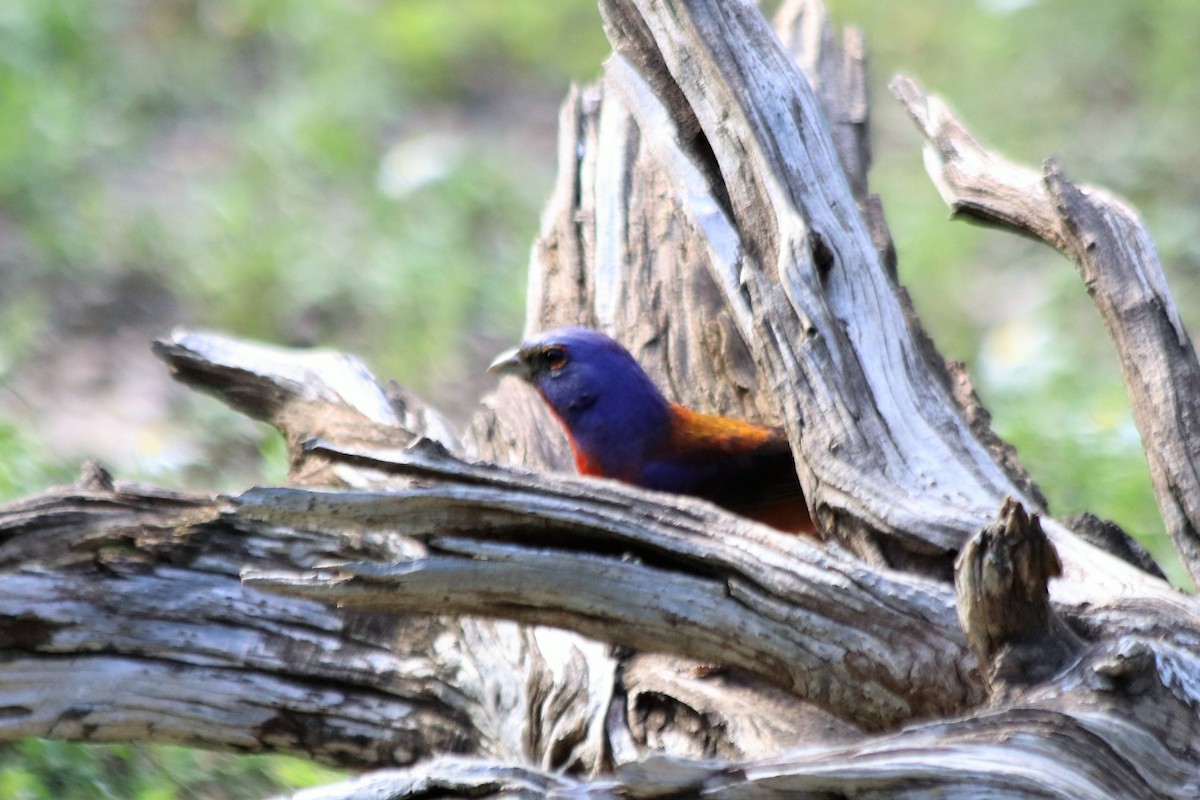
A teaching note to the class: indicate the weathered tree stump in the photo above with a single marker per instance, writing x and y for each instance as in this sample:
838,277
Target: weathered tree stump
465,618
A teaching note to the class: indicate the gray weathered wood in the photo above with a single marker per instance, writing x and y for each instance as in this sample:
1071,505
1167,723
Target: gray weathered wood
123,618
619,564
1122,272
706,215
878,436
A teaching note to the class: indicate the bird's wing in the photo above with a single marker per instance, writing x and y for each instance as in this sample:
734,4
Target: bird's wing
746,468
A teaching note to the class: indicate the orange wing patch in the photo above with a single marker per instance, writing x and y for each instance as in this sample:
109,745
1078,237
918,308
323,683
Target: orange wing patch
693,432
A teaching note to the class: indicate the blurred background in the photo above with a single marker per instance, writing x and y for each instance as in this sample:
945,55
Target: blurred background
367,176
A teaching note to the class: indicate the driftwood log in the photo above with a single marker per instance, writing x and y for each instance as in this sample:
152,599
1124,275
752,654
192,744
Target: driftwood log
461,616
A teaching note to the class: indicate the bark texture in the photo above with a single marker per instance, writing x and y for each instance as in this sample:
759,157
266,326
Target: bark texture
1120,268
466,618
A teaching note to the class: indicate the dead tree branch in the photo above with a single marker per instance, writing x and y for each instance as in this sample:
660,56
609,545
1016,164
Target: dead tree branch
1123,275
388,607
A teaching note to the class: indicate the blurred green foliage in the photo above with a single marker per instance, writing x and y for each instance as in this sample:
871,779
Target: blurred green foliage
368,175
358,174
40,769
255,158
23,468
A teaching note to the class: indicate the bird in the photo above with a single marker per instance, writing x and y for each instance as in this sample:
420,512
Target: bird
620,425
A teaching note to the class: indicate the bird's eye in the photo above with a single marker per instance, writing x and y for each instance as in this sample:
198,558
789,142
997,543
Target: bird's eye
555,357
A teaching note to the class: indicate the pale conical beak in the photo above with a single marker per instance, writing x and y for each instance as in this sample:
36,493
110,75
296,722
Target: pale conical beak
510,363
